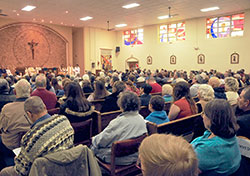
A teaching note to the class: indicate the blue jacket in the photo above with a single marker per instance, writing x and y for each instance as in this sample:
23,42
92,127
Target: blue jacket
158,117
217,156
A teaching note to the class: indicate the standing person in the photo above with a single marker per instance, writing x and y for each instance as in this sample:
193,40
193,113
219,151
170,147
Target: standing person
218,149
183,104
49,98
47,134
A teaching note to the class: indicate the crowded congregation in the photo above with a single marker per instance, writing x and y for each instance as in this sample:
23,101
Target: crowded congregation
98,88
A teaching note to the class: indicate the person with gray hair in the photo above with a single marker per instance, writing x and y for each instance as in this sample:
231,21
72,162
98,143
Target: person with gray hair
231,88
129,124
49,98
47,134
14,123
196,82
243,118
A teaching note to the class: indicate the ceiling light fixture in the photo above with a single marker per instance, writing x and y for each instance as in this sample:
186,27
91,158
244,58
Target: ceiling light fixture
28,8
86,18
120,25
130,6
50,21
66,11
210,9
163,17
42,20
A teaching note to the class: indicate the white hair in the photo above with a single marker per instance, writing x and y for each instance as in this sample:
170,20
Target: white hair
206,92
22,88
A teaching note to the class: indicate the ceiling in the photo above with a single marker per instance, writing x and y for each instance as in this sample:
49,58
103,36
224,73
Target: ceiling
54,11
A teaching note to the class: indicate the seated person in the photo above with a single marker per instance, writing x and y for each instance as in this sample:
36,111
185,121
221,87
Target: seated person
49,98
219,92
100,91
47,134
76,107
86,86
243,118
156,106
5,97
145,97
183,104
14,123
110,103
231,88
131,87
167,155
167,91
156,88
218,150
129,124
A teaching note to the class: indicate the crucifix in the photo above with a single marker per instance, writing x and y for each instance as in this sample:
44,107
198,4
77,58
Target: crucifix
32,44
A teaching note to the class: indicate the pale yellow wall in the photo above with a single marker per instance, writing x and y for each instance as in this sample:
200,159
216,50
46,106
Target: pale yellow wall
217,51
66,32
78,49
94,40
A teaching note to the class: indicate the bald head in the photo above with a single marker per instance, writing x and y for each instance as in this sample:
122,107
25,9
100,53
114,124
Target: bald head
214,82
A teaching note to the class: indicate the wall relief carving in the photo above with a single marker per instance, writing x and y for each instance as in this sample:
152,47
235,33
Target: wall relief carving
31,45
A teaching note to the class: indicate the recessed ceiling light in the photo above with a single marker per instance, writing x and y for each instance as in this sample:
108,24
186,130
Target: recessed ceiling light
34,19
120,25
130,6
61,22
42,20
28,8
210,9
86,18
17,14
66,11
163,17
50,21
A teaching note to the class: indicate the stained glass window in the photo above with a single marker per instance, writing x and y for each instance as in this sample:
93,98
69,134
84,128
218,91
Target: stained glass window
172,32
226,26
133,37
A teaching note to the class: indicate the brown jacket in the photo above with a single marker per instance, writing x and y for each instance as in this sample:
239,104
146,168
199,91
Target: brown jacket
77,161
14,123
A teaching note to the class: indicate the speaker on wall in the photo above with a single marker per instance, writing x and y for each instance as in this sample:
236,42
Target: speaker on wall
117,49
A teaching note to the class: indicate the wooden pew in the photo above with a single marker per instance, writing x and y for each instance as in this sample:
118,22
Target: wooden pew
97,104
183,126
144,111
105,118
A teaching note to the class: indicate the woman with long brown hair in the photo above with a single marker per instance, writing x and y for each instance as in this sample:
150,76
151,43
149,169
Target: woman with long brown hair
76,107
183,104
100,91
